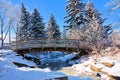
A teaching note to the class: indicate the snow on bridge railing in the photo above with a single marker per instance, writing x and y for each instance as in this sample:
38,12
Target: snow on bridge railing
47,43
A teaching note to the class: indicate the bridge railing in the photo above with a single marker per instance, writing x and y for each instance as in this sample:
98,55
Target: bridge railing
47,43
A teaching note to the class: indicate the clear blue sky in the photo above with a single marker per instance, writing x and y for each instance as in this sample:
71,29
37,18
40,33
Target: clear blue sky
57,7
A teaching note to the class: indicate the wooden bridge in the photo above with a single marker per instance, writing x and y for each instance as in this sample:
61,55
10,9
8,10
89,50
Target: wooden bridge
48,45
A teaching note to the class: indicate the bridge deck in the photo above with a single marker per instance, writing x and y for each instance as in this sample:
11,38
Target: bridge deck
47,45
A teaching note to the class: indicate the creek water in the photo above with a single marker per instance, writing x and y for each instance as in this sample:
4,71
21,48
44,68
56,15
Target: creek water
53,60
54,64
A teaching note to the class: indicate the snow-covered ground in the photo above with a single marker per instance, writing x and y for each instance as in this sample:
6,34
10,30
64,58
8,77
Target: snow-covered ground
106,67
102,67
8,71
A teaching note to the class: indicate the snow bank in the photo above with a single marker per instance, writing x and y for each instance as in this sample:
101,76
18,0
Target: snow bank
115,70
28,74
8,71
10,56
84,66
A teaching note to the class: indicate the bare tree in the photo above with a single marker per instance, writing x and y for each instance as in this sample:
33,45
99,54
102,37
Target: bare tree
114,5
8,15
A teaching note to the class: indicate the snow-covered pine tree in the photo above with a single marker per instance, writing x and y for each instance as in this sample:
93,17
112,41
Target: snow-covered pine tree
95,30
53,31
24,23
37,26
75,17
75,10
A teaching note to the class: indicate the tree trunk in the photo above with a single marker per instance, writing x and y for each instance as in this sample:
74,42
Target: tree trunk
2,41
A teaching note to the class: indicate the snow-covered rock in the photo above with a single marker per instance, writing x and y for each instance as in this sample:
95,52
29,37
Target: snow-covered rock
68,57
106,65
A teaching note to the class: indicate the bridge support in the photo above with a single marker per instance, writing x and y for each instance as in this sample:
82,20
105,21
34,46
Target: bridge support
54,47
29,49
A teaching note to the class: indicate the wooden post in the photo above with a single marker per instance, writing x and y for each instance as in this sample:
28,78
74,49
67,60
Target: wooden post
55,46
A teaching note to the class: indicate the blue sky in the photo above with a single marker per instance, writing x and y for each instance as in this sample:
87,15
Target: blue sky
57,7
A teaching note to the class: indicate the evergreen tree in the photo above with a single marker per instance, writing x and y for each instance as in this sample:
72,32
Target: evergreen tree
75,11
24,23
75,18
53,31
36,30
95,30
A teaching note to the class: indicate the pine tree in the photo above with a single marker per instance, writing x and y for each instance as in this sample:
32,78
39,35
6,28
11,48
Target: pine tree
53,31
36,30
95,30
24,23
75,17
75,10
